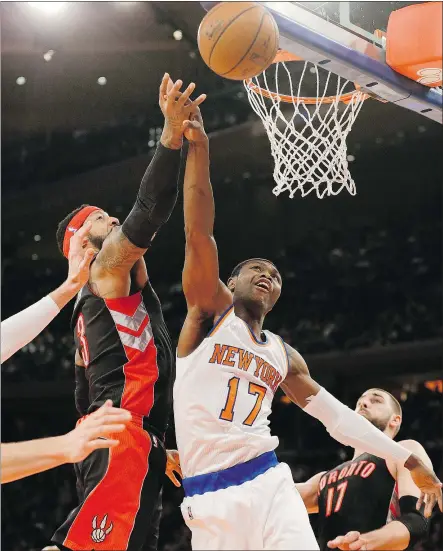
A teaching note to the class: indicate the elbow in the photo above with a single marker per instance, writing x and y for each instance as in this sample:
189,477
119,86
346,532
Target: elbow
197,235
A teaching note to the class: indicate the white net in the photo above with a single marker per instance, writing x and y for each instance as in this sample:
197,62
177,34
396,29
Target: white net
308,142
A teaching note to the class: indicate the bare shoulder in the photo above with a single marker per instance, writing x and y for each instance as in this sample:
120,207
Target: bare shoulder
297,364
415,447
412,445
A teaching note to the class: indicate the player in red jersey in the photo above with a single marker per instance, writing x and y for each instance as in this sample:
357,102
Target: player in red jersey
124,353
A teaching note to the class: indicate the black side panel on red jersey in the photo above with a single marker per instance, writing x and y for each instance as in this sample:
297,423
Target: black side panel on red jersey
357,495
127,351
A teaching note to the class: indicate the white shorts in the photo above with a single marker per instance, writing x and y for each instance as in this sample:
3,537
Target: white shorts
264,513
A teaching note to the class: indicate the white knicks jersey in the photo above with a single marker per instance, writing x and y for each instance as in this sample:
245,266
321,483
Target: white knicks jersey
223,394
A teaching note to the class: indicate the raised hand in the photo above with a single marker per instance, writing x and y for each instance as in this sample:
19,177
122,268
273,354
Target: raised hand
194,131
352,541
429,485
176,107
79,259
91,434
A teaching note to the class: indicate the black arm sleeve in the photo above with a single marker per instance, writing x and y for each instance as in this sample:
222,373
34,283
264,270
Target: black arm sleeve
81,390
416,523
155,199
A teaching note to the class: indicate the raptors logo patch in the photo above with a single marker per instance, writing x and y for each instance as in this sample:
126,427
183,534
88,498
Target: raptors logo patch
99,534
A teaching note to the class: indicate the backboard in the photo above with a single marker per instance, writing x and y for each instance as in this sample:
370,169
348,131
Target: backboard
340,37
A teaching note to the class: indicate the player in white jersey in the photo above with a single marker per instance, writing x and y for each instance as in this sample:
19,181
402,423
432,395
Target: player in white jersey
238,496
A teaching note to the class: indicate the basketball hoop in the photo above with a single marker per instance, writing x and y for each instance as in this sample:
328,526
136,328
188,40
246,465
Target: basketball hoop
308,144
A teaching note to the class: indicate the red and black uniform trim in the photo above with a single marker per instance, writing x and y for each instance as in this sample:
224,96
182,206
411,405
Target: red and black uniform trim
129,359
360,494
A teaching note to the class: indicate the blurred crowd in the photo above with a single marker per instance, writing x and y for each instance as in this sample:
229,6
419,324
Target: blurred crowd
34,507
46,157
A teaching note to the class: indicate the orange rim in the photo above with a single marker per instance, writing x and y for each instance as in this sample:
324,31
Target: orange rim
283,55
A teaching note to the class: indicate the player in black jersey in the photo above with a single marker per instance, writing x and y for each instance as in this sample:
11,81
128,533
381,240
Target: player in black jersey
368,503
124,353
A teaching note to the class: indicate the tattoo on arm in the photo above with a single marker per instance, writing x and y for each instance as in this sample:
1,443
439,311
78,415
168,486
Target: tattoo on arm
118,252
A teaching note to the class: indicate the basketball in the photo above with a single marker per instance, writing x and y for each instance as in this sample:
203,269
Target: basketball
238,40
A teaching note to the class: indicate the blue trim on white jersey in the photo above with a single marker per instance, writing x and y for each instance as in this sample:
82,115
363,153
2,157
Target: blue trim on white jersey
234,476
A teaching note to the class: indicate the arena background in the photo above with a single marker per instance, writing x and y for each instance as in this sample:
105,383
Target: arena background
362,275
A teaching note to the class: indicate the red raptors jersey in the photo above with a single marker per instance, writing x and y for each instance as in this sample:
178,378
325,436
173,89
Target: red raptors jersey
127,351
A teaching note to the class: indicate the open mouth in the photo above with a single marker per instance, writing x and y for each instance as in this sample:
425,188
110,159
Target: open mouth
264,285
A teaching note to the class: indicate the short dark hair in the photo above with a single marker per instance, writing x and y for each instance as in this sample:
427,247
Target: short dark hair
235,272
61,228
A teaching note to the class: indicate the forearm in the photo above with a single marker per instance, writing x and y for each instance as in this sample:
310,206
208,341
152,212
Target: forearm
392,537
199,209
308,496
22,459
63,294
351,429
156,197
20,329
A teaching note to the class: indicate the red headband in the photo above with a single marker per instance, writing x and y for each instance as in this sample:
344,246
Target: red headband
74,225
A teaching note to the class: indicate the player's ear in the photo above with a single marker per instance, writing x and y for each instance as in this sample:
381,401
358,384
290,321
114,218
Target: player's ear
231,283
395,422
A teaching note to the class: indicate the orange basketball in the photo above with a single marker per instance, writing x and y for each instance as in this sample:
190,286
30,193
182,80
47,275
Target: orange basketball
238,40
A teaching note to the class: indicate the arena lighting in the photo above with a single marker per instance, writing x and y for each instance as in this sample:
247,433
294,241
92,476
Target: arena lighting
102,81
50,8
178,35
20,81
435,386
48,55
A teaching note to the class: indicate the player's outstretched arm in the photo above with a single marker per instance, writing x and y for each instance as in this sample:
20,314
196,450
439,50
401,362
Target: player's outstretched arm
22,459
158,189
309,492
351,429
206,295
22,328
392,537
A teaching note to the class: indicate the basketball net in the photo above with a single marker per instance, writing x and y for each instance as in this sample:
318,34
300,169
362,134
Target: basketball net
308,144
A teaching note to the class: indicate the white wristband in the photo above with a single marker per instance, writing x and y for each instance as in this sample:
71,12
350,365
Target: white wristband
22,328
351,429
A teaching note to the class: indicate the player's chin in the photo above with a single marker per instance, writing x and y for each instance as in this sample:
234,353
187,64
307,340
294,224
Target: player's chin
260,296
